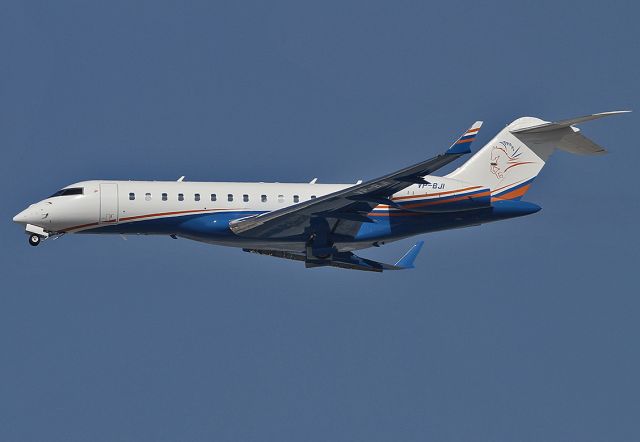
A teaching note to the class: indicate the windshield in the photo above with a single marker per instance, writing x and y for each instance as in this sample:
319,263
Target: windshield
69,191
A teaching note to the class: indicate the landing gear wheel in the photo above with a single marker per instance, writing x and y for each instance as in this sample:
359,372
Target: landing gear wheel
34,239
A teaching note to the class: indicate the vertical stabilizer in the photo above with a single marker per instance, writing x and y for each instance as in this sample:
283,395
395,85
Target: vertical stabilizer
515,156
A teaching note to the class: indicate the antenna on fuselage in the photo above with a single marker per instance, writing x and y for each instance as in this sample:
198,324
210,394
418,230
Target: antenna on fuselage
313,181
181,179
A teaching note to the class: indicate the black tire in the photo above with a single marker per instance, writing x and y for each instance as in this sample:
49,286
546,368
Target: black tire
34,239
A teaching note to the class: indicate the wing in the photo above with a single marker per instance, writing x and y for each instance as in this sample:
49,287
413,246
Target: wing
349,206
347,260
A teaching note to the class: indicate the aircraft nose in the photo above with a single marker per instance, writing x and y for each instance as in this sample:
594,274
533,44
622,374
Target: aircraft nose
20,217
30,215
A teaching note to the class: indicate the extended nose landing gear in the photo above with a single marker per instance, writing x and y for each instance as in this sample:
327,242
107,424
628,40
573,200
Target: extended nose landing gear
36,234
34,239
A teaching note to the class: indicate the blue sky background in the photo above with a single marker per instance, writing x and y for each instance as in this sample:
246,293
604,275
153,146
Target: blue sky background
522,330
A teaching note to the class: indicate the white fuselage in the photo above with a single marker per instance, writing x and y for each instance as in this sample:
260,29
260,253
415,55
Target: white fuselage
137,200
148,207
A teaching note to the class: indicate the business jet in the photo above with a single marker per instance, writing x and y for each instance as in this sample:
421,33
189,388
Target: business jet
323,224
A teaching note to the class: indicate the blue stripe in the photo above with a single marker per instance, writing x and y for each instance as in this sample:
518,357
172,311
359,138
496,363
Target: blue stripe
216,223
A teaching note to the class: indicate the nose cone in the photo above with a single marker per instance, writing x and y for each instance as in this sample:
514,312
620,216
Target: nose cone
31,215
21,217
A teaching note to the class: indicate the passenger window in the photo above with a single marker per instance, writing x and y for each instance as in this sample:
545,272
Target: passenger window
313,196
230,197
180,197
196,197
164,197
147,196
263,198
213,197
296,198
132,196
245,198
281,198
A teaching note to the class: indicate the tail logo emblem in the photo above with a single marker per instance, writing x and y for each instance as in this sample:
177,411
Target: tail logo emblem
505,156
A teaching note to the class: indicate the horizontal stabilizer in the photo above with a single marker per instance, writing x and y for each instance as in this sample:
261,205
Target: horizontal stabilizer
555,125
577,143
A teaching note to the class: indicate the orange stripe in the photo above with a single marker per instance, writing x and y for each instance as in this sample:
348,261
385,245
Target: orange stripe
504,187
518,164
128,218
447,200
431,203
434,194
514,193
78,227
472,130
468,140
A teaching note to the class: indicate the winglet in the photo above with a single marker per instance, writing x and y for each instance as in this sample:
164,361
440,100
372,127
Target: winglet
463,144
406,262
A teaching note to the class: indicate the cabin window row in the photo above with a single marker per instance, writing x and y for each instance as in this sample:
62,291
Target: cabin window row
214,197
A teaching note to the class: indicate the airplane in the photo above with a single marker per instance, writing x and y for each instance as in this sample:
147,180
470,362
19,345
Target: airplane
323,224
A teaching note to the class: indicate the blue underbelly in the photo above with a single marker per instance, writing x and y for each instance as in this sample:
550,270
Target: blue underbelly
385,225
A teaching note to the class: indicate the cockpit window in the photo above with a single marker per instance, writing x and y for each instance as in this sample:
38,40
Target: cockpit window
69,191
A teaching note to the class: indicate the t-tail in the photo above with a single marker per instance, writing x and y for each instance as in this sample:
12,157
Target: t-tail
509,163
